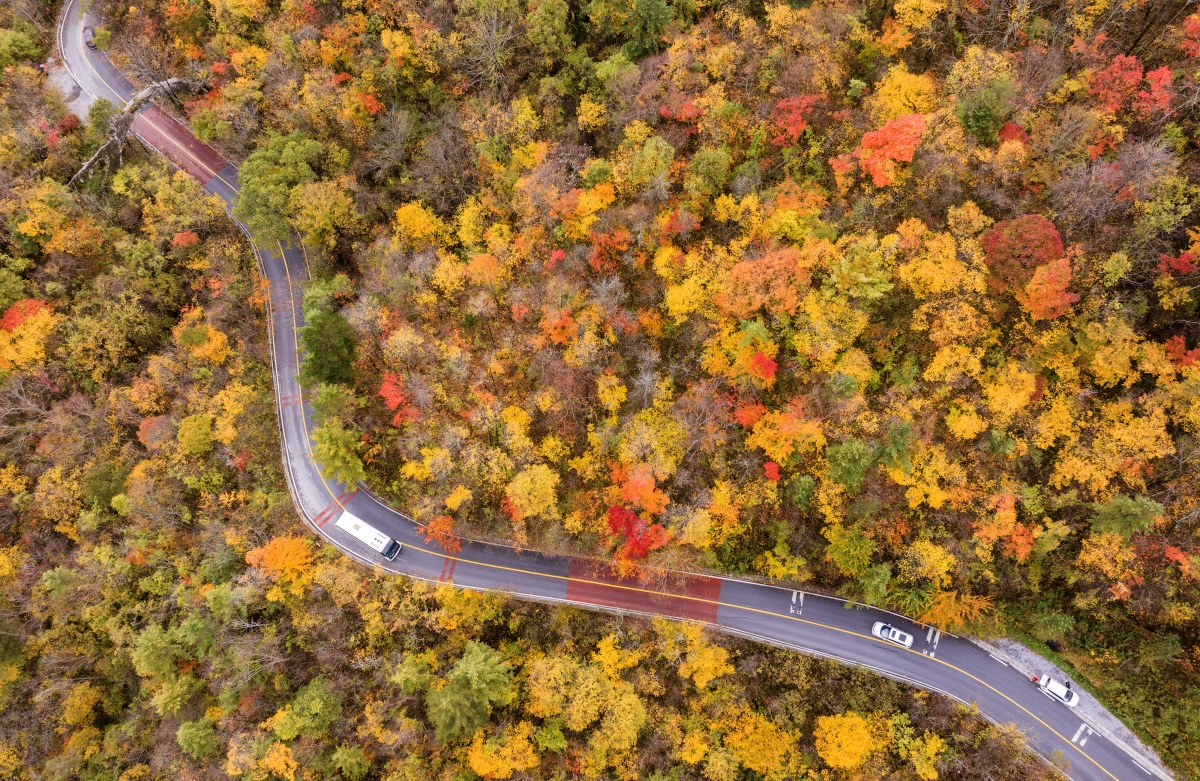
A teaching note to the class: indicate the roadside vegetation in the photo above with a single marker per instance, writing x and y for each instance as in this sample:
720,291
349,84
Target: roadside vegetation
894,300
164,615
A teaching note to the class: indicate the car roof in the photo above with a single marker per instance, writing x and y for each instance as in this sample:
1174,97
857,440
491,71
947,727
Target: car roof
1057,687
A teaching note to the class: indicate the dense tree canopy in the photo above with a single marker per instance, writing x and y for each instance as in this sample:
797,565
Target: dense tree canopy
268,178
893,300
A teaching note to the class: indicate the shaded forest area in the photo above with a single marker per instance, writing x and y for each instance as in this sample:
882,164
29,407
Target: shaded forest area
891,299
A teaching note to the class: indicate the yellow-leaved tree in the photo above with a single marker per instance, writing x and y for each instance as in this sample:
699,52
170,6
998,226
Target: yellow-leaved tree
417,227
319,210
698,659
844,741
552,685
924,753
780,434
1008,391
760,745
530,495
918,14
279,761
505,754
226,406
246,9
901,92
199,339
24,328
613,659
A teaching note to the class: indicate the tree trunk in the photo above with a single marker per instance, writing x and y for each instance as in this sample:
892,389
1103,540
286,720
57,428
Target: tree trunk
120,124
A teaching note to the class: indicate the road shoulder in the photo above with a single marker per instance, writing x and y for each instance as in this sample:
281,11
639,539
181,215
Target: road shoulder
1030,663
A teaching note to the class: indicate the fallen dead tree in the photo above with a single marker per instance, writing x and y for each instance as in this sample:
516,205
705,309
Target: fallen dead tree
120,125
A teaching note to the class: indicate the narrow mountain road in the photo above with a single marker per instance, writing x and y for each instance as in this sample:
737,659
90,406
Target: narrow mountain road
812,624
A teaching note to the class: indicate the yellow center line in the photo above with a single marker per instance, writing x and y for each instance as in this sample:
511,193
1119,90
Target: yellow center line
719,603
156,126
552,576
639,589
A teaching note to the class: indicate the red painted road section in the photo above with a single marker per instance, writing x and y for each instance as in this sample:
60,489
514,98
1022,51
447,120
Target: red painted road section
331,509
176,141
665,598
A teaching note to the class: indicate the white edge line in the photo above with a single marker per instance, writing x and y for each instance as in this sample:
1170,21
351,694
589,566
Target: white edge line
374,565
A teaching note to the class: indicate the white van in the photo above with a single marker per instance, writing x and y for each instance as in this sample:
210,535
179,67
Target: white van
368,535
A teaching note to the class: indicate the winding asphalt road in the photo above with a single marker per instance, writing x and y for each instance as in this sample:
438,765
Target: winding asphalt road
812,624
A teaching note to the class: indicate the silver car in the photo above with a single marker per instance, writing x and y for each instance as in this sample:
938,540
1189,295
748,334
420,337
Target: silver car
891,634
1059,691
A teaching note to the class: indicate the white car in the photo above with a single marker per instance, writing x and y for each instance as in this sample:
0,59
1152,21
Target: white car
892,634
1059,691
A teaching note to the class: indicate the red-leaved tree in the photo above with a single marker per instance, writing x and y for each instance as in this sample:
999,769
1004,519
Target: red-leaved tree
154,432
607,249
893,143
18,313
1014,248
763,367
1115,87
1191,36
1184,263
1157,95
790,118
1178,352
397,399
1011,131
1123,85
637,536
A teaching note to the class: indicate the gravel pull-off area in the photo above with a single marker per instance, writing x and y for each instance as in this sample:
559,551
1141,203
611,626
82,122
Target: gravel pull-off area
76,99
1089,709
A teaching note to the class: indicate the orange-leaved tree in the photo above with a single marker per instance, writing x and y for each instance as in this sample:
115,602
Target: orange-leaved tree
1045,296
881,149
287,561
952,610
441,531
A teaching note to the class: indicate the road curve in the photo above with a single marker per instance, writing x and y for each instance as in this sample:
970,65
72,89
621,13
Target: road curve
809,623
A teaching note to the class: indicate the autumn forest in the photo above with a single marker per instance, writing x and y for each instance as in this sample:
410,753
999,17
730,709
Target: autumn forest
894,301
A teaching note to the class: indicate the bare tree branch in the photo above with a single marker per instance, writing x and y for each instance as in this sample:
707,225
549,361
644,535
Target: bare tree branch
121,123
